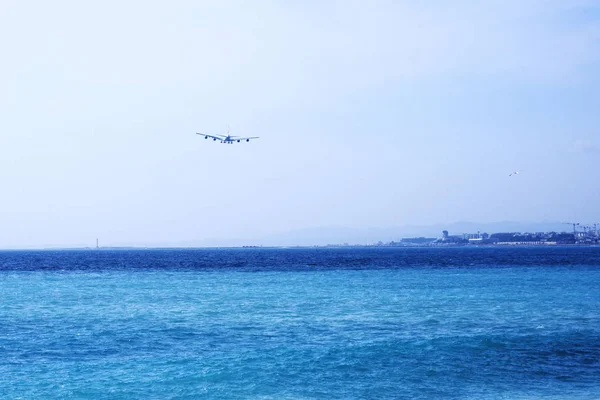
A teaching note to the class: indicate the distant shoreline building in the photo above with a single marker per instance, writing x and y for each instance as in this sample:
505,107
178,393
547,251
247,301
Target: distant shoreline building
587,237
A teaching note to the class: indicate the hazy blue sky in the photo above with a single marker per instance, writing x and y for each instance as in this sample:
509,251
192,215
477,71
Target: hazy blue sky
370,113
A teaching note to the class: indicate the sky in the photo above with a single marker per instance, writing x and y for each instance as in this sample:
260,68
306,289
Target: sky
371,114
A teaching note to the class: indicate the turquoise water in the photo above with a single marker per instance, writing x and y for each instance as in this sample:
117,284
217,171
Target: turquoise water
301,324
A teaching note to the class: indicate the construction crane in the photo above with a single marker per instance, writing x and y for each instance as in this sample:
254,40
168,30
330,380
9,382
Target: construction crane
574,225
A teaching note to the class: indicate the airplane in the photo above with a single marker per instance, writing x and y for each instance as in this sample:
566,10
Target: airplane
227,138
514,173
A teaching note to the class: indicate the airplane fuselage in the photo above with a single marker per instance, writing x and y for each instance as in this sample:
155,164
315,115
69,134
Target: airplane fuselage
229,139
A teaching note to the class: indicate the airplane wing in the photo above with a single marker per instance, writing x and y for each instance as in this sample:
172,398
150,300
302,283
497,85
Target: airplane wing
217,137
247,139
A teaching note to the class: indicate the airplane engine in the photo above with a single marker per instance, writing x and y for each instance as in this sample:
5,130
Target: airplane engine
205,137
214,140
238,141
247,140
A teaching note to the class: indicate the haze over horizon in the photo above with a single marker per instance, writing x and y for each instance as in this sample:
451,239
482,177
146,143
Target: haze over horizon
370,114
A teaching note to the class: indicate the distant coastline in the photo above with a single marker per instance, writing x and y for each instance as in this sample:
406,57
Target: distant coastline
588,235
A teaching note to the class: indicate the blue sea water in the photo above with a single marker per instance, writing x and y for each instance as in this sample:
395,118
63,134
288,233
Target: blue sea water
450,323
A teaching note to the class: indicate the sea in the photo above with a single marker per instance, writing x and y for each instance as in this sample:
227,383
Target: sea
301,323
